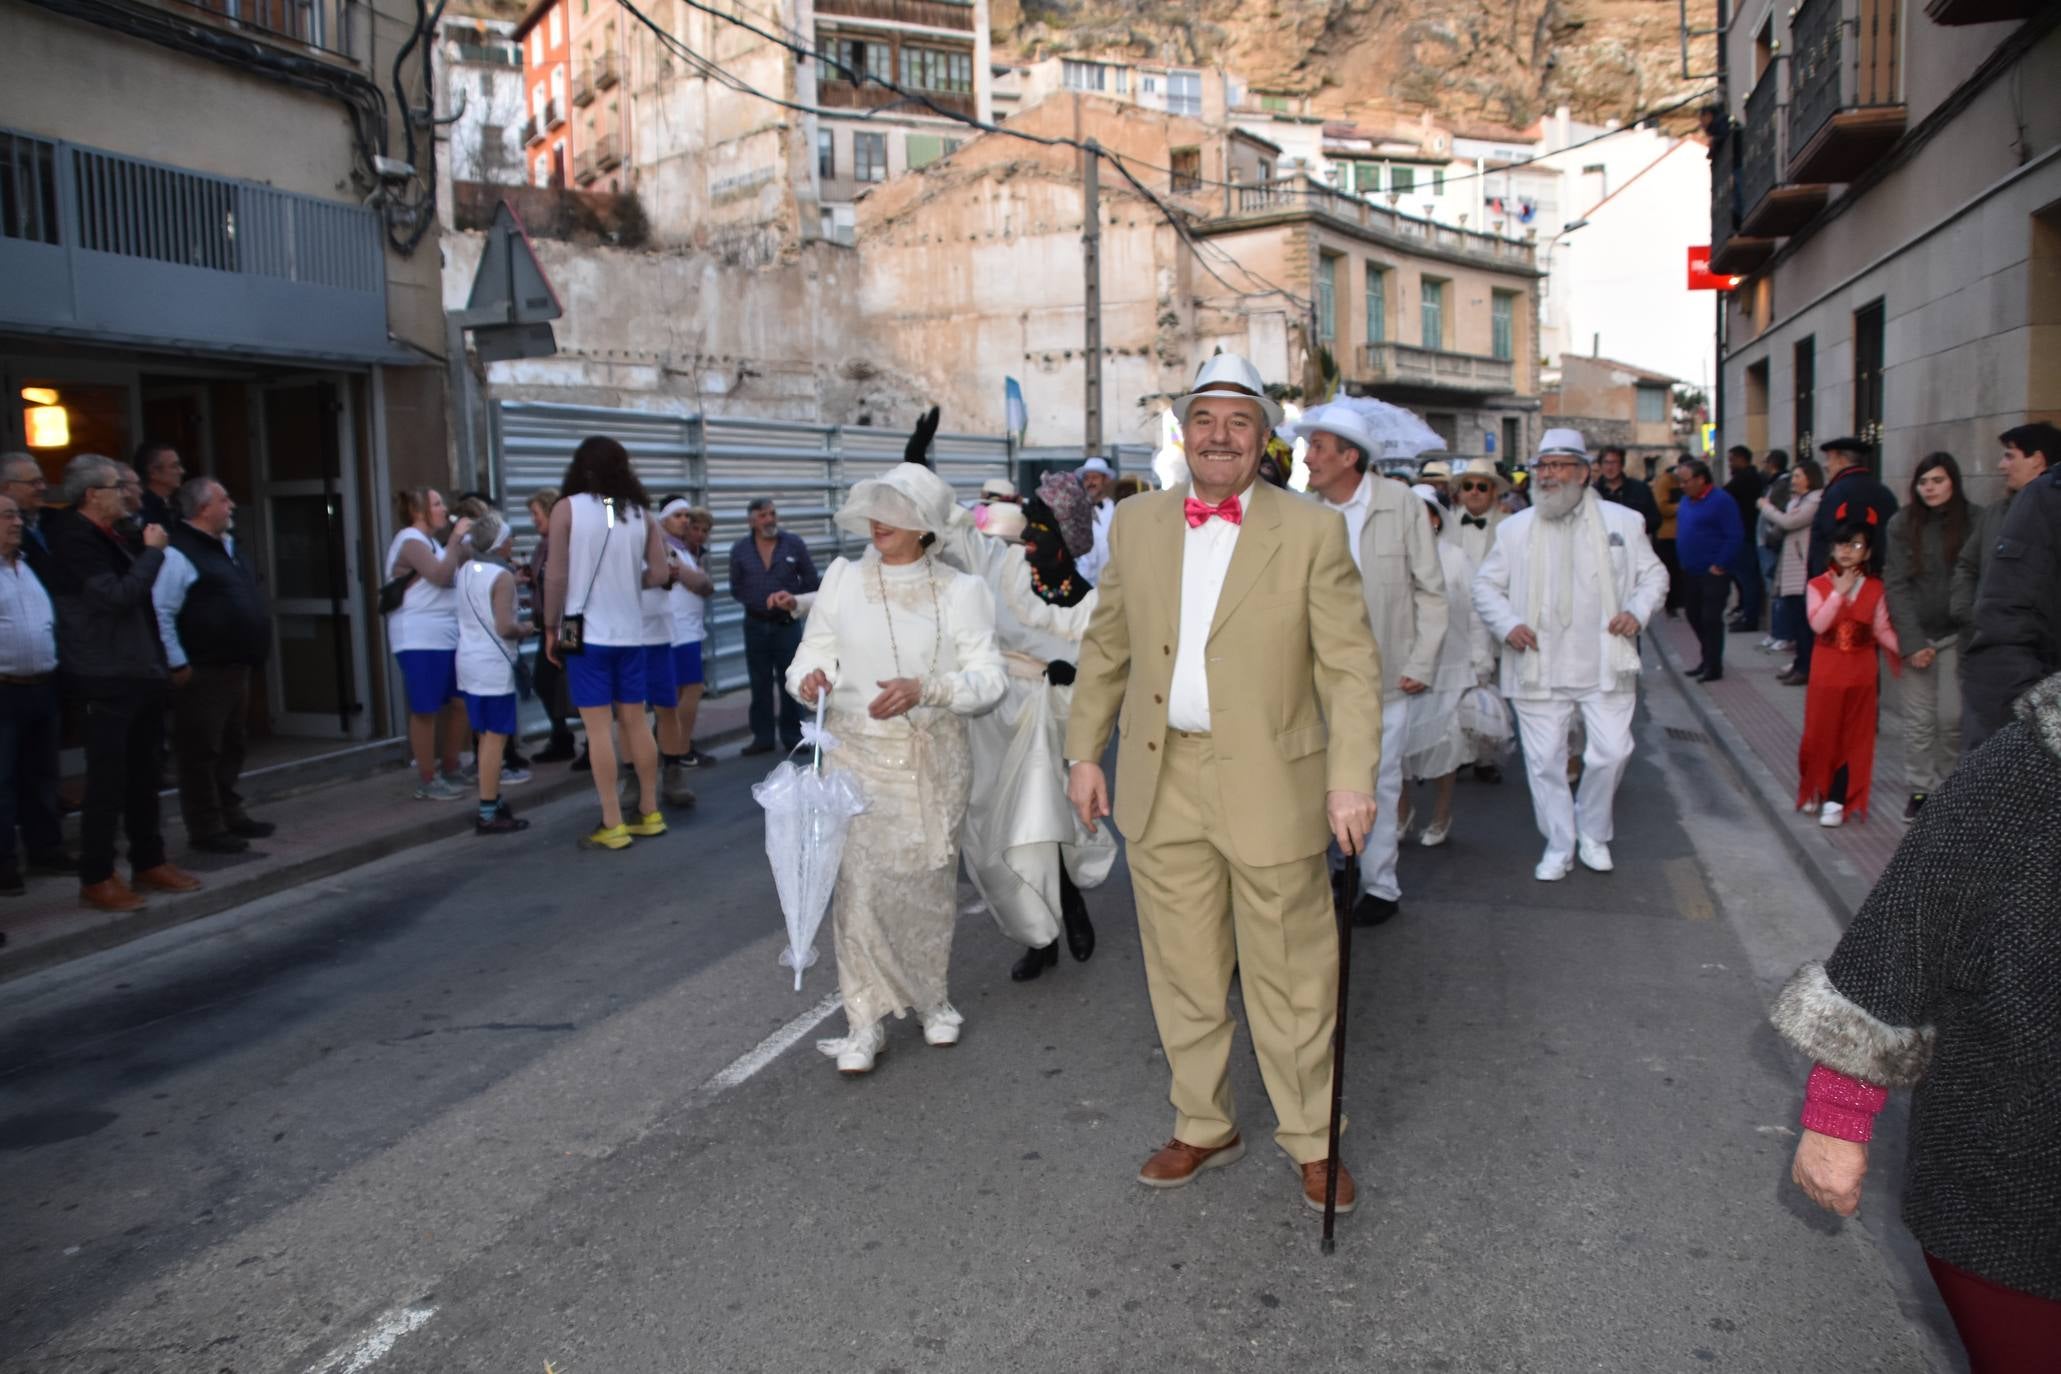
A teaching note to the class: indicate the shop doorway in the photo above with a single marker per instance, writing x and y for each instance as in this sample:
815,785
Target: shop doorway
306,501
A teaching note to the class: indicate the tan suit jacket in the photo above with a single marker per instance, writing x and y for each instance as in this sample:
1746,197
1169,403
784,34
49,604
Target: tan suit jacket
1294,677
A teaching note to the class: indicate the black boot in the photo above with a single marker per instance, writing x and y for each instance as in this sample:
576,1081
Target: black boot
1034,962
1073,910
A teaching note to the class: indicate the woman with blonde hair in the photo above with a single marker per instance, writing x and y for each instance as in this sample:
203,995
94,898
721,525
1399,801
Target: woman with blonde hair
687,529
422,632
903,647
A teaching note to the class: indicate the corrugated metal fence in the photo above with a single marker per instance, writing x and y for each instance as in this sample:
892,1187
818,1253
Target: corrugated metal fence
723,463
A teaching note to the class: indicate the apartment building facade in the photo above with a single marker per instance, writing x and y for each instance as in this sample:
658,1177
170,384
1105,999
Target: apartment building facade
1888,192
1613,402
482,93
545,33
200,248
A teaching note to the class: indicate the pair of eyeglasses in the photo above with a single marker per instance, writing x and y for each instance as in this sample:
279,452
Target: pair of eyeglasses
1567,465
1477,486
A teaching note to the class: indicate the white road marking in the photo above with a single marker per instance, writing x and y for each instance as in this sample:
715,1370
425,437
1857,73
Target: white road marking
773,1046
373,1347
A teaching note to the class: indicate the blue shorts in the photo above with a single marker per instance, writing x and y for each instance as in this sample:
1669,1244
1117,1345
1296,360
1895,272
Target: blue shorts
491,715
431,678
659,688
687,664
604,674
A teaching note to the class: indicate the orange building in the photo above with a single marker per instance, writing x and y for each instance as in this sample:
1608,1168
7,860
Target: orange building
545,34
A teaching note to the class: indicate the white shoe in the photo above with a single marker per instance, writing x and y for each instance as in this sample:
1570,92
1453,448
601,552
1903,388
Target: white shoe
1595,854
856,1051
1809,808
941,1027
1832,816
1553,867
1435,834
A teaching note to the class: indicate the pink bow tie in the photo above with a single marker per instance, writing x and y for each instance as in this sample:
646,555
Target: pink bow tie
1199,512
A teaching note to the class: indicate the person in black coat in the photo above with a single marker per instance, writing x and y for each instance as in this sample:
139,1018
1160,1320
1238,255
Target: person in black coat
1949,981
2017,639
1852,492
1746,486
1614,484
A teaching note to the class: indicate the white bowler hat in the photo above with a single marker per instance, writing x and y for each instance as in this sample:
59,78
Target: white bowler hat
1563,441
1228,374
1096,464
998,488
1343,421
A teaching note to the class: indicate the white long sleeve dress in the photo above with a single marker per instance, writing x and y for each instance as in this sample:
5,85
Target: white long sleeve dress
897,886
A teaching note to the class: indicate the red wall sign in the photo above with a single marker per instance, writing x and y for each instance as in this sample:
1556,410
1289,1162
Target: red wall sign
1701,278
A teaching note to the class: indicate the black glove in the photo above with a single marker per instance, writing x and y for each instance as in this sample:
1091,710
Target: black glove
1059,673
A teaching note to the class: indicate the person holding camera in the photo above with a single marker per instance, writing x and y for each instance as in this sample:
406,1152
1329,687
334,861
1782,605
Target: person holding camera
489,635
422,631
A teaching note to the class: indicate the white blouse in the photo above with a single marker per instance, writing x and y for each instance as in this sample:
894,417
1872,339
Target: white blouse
861,637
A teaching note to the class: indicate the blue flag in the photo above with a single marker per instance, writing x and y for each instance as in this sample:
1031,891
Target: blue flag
1016,414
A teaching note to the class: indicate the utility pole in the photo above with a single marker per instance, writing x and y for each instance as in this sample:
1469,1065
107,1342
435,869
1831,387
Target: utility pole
1091,301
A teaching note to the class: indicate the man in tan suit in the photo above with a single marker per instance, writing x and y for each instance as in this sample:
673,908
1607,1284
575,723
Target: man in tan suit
1230,649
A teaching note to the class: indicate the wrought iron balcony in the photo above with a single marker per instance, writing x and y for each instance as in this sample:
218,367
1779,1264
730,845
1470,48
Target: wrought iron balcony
608,69
532,132
1732,250
554,114
1770,209
1431,369
1845,98
585,167
608,154
583,88
98,244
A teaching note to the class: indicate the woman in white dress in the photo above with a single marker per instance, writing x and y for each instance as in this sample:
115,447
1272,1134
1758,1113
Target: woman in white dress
905,648
1434,746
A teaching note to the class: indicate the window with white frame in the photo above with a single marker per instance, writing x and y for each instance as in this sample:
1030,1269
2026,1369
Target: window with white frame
1432,313
557,29
1184,93
1083,76
937,69
1503,325
1377,303
869,157
558,87
826,154
1652,405
1327,299
536,47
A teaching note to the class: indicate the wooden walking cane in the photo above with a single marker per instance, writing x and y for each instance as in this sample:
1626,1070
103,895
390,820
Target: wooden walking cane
1341,908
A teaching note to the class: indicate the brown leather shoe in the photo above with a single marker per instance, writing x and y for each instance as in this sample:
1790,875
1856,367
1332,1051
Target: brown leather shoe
165,878
1178,1162
1313,1186
110,894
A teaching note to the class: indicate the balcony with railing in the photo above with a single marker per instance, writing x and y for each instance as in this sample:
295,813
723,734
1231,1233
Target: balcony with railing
1769,207
608,70
586,166
97,244
1288,196
554,114
928,14
583,90
532,131
1433,369
608,152
833,93
1732,249
1845,88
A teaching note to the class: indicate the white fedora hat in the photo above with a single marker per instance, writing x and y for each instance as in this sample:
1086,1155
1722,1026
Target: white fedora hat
1567,442
1230,375
1343,421
1482,467
1096,464
998,487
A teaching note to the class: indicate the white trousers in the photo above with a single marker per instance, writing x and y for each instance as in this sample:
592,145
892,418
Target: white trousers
1542,725
1377,860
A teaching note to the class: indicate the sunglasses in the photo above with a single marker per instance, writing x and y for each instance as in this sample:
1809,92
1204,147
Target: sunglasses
1477,486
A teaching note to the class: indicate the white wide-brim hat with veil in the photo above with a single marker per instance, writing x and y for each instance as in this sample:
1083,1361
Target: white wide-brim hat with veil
908,497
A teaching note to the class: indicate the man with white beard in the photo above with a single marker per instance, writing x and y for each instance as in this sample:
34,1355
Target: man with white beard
1567,588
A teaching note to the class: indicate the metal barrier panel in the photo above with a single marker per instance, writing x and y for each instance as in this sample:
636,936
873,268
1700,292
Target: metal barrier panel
723,463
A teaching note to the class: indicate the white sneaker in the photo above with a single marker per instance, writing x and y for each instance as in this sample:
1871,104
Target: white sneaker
1595,854
856,1051
941,1027
1832,815
1435,834
1553,867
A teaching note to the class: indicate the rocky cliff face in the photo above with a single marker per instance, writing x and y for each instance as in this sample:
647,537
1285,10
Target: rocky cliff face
1505,62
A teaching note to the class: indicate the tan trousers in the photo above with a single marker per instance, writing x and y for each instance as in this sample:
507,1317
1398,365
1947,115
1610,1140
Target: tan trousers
1199,913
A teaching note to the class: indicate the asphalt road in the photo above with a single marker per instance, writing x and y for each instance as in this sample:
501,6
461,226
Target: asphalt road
504,1106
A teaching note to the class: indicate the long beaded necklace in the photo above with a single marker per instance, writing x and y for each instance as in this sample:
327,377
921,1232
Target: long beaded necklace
937,619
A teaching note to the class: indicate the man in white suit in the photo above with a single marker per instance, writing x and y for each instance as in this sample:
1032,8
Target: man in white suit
1567,587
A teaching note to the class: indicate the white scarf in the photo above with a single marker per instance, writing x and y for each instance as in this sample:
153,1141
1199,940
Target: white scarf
1620,657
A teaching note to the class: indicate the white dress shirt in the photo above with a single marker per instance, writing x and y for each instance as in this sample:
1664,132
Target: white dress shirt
1206,551
1090,565
1355,512
28,624
175,578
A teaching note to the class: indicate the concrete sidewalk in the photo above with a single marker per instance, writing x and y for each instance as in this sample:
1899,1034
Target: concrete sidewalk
323,830
1758,722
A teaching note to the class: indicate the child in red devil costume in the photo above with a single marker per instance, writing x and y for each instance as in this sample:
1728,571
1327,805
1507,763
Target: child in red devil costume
1850,618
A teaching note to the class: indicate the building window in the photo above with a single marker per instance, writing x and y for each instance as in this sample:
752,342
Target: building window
537,100
1804,363
1438,181
1184,93
1186,165
540,174
1274,104
586,8
557,28
1148,84
1377,303
536,47
826,154
869,157
937,69
849,59
1432,312
1402,180
1503,325
1513,437
1327,299
1652,405
1266,169
924,149
1367,178
1083,76
1867,371
558,87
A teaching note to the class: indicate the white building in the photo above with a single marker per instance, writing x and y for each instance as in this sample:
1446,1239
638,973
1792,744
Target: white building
479,90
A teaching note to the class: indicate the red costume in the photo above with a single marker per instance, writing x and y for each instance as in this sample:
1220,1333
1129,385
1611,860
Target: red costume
1839,707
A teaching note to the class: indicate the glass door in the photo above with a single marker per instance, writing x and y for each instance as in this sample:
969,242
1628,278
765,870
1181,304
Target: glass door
307,508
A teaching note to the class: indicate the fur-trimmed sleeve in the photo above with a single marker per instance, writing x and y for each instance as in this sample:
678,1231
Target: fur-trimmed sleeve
1815,1016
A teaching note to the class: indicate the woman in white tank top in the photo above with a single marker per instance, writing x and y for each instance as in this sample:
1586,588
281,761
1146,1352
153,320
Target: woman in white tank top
423,634
611,551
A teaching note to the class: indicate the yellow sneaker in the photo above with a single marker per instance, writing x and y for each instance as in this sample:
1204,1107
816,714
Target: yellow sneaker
654,823
607,837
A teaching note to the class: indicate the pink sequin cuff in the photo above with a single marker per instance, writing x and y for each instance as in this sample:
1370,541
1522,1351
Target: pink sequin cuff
1841,1107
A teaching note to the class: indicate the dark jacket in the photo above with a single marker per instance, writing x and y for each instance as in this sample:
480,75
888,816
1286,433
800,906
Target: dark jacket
100,586
1635,495
1974,558
1745,490
223,621
2017,640
158,511
1920,590
1851,496
1949,979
